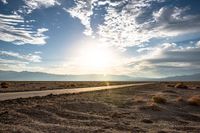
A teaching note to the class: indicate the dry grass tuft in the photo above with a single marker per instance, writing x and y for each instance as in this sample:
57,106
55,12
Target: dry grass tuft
73,85
43,87
154,107
147,121
150,106
194,100
116,115
159,99
179,99
197,87
139,99
170,85
181,86
4,85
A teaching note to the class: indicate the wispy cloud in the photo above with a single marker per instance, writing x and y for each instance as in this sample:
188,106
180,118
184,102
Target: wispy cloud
174,21
83,11
17,65
4,1
14,29
130,23
15,61
31,5
28,57
167,59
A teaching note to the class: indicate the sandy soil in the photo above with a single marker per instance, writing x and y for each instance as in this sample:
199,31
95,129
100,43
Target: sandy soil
129,109
15,86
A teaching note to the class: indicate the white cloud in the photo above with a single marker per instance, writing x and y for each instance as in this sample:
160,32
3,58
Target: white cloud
82,11
129,23
14,29
175,21
6,61
121,29
28,57
198,44
16,65
4,1
166,59
129,26
35,4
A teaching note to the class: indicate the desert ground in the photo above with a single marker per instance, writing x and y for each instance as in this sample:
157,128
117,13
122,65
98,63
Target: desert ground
18,86
160,107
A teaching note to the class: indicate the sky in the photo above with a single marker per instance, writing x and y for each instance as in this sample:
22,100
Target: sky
142,38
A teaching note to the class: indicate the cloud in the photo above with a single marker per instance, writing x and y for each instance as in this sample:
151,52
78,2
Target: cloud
198,44
135,24
83,11
16,65
120,27
6,61
132,23
14,29
20,62
31,5
28,57
4,1
175,21
167,59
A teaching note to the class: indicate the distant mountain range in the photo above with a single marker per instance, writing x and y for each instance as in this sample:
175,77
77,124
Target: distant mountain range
40,76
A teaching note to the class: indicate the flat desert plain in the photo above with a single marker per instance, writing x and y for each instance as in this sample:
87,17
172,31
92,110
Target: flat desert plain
18,86
160,107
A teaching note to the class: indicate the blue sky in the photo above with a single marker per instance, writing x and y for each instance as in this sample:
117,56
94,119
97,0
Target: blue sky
146,38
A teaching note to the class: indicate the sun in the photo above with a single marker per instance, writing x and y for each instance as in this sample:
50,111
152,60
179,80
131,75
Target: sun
94,58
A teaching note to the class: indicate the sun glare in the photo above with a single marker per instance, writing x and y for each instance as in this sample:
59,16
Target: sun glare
95,57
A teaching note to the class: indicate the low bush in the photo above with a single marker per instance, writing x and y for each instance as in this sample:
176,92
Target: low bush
181,86
4,85
43,87
197,87
159,99
154,107
170,85
194,100
73,85
179,99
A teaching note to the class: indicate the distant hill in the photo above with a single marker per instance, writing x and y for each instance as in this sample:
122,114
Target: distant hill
193,77
40,76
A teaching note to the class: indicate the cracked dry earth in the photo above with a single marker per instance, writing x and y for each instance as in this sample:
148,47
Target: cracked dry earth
129,109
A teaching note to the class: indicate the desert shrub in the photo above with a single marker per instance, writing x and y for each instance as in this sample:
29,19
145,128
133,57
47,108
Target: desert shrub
181,86
43,87
150,106
4,85
197,87
147,121
159,99
179,99
115,115
170,85
73,85
138,99
154,107
194,100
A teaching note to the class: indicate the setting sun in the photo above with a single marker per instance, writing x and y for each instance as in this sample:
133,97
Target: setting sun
95,57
